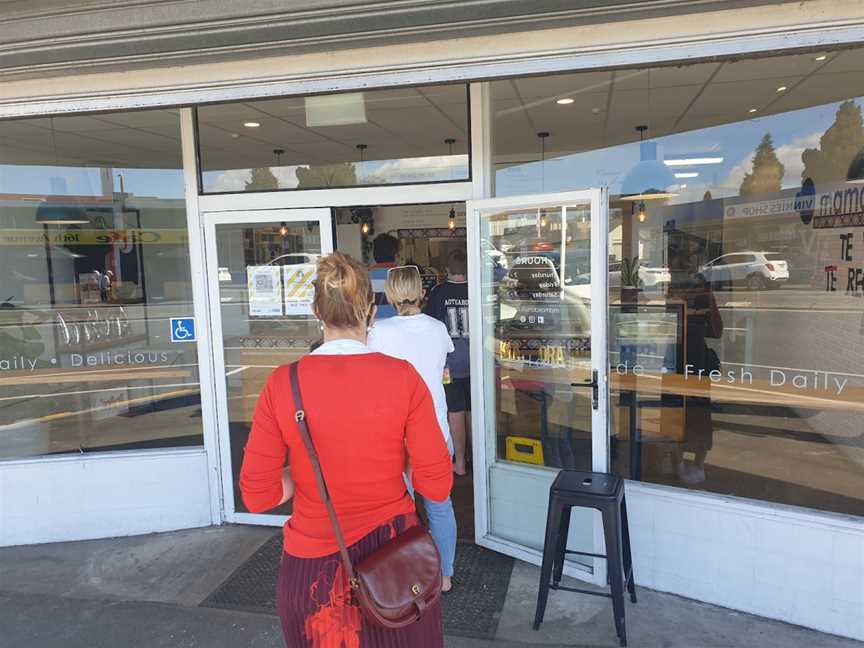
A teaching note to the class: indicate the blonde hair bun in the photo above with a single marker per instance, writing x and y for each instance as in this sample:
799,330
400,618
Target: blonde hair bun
343,292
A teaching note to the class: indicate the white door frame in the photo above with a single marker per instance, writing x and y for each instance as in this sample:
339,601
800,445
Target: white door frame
209,221
599,201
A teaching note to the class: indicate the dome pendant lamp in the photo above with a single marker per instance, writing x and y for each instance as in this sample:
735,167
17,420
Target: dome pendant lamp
649,179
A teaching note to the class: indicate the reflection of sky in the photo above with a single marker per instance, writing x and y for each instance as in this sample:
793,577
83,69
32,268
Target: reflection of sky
736,142
86,181
440,168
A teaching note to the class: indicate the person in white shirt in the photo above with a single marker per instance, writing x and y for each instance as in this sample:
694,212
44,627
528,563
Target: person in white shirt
424,342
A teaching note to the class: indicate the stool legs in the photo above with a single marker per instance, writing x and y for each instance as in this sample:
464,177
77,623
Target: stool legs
553,521
628,560
561,546
615,566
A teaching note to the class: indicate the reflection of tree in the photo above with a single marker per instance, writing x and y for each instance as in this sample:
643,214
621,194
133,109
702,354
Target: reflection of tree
767,174
837,146
327,175
261,180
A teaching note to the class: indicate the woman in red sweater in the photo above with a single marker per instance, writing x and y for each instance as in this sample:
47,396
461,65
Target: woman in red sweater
365,412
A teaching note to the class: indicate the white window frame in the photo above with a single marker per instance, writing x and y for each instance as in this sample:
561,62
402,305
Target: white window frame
484,448
209,223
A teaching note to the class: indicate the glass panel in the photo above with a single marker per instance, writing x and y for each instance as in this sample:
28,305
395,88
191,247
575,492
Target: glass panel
536,301
94,262
375,137
741,376
265,292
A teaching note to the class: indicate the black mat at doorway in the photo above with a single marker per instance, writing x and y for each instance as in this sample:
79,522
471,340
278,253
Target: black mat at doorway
472,609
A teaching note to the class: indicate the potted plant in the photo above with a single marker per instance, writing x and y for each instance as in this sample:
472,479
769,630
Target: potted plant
631,283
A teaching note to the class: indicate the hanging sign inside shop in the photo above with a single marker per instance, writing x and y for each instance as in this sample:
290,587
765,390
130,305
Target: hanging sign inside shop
94,237
265,290
298,289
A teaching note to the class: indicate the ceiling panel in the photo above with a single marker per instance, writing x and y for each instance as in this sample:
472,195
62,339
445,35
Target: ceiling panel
770,69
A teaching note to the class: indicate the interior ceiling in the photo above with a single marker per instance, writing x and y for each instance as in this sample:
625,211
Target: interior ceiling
415,121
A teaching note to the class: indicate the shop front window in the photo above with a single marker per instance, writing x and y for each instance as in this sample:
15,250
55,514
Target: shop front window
94,265
736,262
375,137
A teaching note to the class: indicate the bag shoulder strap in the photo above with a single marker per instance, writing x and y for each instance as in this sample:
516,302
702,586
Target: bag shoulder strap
303,426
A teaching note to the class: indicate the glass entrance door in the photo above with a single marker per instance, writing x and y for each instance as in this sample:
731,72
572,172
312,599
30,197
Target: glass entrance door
539,367
260,267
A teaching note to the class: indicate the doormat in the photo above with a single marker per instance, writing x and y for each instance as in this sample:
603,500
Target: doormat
471,609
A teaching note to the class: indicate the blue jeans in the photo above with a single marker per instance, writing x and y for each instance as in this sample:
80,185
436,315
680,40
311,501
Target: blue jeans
442,526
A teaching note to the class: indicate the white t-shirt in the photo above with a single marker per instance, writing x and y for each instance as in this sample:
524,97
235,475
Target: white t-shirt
424,342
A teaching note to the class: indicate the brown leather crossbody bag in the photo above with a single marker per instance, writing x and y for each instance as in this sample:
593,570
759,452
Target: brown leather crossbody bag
400,579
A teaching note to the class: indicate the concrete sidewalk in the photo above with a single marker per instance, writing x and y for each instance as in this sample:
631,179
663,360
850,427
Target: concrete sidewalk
147,590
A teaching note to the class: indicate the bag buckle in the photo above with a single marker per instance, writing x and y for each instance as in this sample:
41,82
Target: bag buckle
299,415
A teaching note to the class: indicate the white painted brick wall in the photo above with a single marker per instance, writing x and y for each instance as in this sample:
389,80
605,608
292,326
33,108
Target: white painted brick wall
103,495
799,566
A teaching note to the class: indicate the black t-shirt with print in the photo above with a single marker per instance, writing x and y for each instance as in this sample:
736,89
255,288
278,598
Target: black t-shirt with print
448,302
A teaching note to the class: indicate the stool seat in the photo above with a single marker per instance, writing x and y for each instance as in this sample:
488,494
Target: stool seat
577,482
604,493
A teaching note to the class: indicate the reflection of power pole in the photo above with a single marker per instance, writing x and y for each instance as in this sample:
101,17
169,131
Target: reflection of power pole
49,262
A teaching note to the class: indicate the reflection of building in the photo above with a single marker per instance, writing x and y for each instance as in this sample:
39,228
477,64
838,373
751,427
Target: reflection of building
94,108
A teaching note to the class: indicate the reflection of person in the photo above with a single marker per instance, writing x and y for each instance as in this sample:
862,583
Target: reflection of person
105,285
384,249
424,342
362,437
448,303
703,321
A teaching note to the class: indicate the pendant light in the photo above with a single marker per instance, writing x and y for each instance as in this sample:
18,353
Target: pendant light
362,148
543,135
451,220
450,142
649,179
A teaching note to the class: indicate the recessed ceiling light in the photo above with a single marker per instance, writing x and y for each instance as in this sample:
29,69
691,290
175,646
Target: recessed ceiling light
687,174
781,89
752,110
251,124
596,111
566,101
821,57
235,135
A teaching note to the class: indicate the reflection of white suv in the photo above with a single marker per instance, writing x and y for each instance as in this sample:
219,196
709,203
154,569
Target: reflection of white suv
756,270
296,258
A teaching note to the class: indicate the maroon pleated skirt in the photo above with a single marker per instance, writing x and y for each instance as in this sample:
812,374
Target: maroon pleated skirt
318,609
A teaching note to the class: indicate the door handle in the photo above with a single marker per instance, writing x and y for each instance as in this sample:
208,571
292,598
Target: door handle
595,388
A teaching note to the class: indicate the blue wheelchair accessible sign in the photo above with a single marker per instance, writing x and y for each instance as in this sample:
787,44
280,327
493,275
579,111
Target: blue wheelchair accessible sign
183,329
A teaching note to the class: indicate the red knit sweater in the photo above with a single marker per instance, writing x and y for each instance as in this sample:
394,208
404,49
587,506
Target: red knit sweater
364,411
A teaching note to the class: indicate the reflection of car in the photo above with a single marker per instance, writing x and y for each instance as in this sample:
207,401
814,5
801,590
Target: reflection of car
650,275
757,270
498,258
295,258
530,276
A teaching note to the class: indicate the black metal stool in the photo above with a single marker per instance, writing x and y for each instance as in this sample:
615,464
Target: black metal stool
604,493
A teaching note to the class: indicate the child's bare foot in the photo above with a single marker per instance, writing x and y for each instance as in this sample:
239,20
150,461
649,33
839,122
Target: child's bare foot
447,584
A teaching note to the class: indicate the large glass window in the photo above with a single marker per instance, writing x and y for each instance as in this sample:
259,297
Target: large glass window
94,262
375,137
736,324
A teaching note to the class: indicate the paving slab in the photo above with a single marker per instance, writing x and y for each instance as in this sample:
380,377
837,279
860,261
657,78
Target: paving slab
146,591
657,620
181,567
